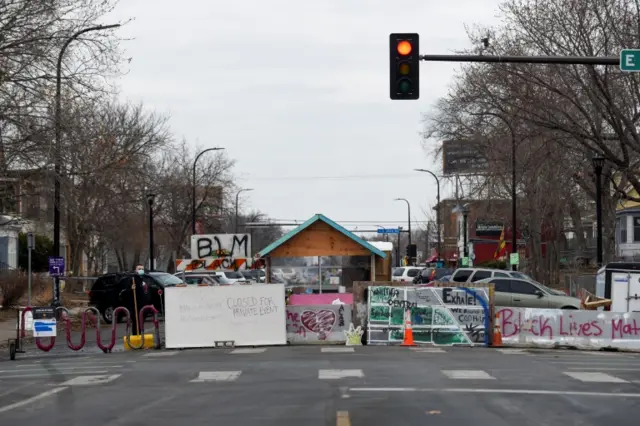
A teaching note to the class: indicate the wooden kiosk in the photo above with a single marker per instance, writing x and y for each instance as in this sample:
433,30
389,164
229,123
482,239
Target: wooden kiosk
320,236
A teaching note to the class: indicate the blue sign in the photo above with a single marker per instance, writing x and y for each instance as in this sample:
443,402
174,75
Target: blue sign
44,327
56,266
388,231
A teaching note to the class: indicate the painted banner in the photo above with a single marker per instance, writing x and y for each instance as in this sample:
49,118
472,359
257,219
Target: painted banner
320,299
439,315
318,323
232,246
563,327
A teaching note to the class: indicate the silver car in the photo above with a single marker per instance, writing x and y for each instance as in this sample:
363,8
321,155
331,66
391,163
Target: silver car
519,293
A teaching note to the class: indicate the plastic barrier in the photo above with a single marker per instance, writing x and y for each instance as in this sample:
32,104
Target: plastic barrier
156,325
96,321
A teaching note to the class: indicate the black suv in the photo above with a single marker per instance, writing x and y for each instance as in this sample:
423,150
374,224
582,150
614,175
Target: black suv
106,291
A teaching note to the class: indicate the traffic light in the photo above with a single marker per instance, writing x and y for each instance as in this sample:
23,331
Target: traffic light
412,251
404,61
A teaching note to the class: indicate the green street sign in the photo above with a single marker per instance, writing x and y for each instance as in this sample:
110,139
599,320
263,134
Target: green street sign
514,258
630,60
464,261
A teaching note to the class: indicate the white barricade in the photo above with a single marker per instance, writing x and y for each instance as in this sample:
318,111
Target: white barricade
563,327
197,317
318,323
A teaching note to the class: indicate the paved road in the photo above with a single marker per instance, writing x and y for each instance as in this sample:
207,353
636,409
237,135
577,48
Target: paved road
318,386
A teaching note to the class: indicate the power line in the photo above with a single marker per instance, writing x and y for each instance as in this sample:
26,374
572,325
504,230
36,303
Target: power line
337,177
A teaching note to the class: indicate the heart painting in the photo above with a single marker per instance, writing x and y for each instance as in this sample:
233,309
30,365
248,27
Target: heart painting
320,322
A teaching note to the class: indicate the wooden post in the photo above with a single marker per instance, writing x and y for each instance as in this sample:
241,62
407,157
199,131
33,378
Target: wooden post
373,267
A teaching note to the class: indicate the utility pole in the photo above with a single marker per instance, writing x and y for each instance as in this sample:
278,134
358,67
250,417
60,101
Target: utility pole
58,150
193,188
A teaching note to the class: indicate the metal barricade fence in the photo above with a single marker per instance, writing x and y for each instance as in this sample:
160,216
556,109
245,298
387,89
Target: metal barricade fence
17,345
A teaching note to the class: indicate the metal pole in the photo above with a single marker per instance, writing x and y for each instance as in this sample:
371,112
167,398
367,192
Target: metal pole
514,199
236,219
151,265
58,151
30,245
193,192
398,248
237,198
438,208
319,275
599,255
465,238
567,60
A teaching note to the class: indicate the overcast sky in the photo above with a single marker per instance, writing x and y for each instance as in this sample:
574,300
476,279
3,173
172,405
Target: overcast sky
297,92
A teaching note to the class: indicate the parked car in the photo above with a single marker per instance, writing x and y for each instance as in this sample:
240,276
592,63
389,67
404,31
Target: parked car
200,278
405,273
105,294
431,274
519,293
468,275
254,275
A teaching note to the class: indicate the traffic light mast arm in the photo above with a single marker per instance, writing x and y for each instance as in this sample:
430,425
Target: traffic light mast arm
568,60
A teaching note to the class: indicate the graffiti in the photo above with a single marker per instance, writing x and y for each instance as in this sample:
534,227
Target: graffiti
212,264
568,327
443,316
317,323
354,335
221,245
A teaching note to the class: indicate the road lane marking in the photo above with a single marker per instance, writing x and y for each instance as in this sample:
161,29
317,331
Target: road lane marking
603,369
248,351
32,399
338,374
500,391
216,376
336,350
342,418
468,375
594,377
513,351
429,350
90,380
52,374
54,368
159,354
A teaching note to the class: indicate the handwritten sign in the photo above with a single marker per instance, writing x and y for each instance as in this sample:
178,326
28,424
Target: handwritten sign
439,315
197,317
221,246
582,329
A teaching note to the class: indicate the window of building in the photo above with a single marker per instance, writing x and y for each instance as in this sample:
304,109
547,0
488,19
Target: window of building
636,229
622,229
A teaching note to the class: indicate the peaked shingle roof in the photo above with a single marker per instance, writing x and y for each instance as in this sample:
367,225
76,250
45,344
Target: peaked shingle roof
315,218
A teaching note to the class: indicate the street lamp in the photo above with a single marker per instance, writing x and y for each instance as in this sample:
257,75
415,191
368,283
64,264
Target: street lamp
237,198
408,220
437,210
598,164
58,151
464,210
193,194
150,199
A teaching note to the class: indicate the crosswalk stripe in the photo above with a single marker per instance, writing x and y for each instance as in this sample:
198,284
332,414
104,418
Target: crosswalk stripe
248,351
336,350
594,377
338,374
429,350
512,351
468,375
160,354
217,376
90,380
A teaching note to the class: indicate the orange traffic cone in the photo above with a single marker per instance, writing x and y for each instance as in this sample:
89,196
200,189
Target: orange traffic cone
497,334
408,331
